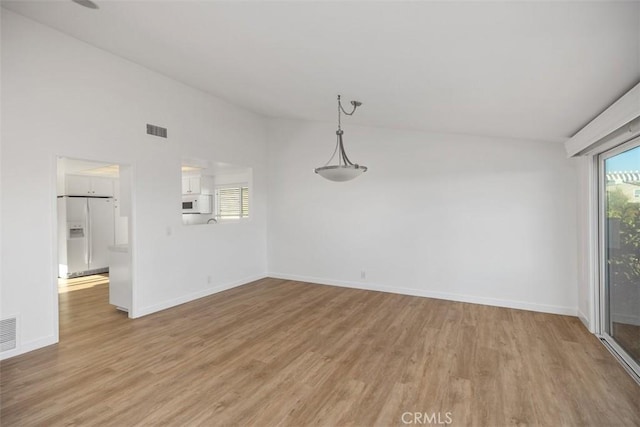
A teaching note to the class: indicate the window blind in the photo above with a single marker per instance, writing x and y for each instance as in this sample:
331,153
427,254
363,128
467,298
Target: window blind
232,202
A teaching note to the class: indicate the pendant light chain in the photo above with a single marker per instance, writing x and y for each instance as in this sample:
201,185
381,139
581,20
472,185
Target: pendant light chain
339,135
339,108
355,104
338,139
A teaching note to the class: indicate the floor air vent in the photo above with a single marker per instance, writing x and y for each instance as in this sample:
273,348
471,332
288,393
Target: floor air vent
156,131
8,334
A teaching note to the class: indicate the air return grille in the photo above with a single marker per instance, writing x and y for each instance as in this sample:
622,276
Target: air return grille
156,131
8,334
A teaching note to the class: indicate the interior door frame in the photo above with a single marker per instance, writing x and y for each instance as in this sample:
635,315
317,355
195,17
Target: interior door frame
601,295
54,242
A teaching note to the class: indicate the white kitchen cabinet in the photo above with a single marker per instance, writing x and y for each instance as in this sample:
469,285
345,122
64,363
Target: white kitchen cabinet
190,185
76,185
101,186
197,184
95,186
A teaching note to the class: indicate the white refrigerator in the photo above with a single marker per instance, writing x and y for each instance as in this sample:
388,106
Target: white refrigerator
85,231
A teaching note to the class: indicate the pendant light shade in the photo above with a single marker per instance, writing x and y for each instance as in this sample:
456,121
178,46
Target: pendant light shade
341,173
344,170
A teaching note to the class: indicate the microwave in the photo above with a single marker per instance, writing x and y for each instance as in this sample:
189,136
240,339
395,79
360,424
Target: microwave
197,204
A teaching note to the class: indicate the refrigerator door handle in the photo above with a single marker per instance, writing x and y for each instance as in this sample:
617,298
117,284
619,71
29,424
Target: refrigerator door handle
89,239
86,233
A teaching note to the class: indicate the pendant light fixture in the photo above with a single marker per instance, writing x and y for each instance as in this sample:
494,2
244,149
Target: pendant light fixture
345,170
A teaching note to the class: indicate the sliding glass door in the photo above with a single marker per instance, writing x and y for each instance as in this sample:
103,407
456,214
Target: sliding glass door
620,251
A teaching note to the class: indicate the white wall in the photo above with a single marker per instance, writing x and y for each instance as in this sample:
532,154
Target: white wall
586,234
448,216
63,97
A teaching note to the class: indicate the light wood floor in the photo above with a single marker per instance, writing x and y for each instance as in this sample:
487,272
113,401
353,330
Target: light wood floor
278,352
84,282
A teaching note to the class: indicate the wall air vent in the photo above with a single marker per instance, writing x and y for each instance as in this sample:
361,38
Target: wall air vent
156,131
8,334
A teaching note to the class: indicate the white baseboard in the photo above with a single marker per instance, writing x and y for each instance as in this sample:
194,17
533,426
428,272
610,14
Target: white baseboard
521,305
585,321
194,296
29,346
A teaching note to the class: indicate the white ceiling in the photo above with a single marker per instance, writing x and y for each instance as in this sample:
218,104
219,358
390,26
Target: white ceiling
535,70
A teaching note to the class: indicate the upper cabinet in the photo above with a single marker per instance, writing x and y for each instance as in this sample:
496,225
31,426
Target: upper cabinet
190,185
93,186
197,184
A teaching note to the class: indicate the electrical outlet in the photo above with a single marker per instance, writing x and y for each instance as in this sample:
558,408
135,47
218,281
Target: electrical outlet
209,279
363,274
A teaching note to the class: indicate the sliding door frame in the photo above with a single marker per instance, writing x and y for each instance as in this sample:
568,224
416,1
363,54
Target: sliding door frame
602,315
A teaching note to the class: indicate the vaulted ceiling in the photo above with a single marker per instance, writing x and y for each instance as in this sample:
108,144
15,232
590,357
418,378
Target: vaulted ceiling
534,70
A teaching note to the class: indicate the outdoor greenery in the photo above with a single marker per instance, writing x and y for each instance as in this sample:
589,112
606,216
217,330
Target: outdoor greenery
624,251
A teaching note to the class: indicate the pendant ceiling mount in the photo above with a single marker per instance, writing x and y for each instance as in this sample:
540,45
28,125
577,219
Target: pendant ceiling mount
345,169
86,3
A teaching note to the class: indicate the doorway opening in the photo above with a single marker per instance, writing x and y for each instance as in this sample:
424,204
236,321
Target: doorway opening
94,223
